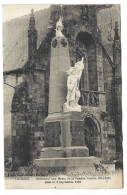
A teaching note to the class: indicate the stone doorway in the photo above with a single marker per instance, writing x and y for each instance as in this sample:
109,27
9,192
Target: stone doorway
92,137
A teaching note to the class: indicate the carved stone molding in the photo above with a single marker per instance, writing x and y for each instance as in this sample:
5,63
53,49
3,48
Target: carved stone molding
54,43
63,42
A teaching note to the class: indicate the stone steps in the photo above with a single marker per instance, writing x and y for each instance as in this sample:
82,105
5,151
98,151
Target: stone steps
72,165
67,162
60,152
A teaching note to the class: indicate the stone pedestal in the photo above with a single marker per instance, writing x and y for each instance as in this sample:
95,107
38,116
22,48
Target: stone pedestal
64,143
65,131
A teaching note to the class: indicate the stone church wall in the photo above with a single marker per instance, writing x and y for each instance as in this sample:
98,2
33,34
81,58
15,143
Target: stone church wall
28,113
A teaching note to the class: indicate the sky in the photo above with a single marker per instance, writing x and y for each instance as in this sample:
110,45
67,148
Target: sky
16,10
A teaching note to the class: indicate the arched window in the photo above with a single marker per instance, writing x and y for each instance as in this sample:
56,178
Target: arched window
85,47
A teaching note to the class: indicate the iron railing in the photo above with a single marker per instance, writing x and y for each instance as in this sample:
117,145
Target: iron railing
89,98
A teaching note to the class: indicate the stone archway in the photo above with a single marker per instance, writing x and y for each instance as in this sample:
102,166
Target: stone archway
92,136
85,46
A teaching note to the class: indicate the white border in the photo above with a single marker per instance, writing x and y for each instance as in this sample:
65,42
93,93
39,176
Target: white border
124,97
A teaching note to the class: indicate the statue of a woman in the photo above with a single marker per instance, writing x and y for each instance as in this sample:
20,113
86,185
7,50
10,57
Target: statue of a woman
73,93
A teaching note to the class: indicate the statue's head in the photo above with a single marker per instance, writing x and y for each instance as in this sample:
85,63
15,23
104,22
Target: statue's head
79,63
72,71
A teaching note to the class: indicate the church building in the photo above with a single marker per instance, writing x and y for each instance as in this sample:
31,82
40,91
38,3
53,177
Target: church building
92,32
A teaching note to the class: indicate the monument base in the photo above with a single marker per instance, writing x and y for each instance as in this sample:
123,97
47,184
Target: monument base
60,152
66,165
64,130
64,143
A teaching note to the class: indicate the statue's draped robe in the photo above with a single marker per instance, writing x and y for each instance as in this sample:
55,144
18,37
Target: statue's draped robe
73,81
72,87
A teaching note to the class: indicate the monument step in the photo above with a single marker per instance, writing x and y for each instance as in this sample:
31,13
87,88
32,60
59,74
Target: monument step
62,152
68,162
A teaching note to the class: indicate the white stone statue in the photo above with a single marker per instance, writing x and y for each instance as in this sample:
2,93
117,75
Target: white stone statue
73,93
59,28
